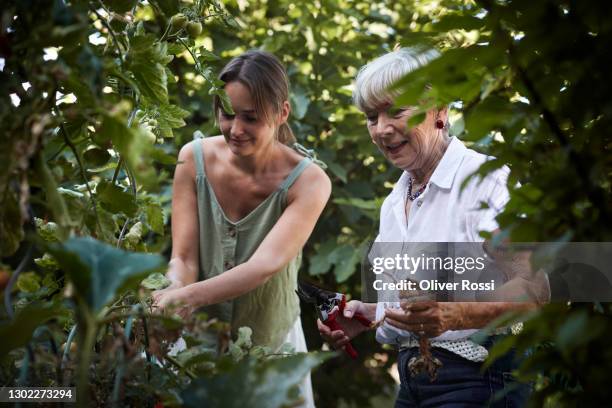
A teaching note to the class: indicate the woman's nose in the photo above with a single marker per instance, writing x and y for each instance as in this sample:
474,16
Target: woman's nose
236,128
383,125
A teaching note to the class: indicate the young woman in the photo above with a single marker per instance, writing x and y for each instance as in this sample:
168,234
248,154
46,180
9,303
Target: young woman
243,206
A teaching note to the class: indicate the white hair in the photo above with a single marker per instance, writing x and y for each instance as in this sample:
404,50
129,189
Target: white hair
374,79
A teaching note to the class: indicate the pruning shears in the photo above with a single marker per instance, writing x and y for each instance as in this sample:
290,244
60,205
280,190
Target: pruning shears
328,305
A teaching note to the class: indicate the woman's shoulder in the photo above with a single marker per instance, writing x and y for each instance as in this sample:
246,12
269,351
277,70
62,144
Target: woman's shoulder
313,181
210,145
472,162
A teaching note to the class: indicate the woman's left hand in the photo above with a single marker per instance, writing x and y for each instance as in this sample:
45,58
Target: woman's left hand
429,318
174,300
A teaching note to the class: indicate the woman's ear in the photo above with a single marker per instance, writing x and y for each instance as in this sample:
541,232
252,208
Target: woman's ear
284,113
442,114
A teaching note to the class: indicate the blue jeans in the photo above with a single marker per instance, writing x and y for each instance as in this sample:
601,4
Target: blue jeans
460,383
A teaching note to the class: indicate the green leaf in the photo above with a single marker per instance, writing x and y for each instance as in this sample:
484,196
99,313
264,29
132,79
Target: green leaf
359,203
251,383
134,235
207,56
100,272
18,332
152,80
338,170
120,6
114,199
96,157
346,258
47,262
456,21
299,101
170,117
146,59
48,231
11,228
28,282
578,330
123,138
226,104
155,217
417,119
156,281
321,262
498,350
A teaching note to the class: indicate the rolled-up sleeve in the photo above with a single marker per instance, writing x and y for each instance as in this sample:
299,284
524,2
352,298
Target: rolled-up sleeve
495,196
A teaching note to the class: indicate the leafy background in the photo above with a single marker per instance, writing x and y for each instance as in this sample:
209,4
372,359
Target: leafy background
97,98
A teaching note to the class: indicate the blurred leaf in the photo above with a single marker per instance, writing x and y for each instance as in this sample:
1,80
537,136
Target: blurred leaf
99,271
251,383
28,282
155,217
299,102
120,6
321,262
18,332
96,157
156,281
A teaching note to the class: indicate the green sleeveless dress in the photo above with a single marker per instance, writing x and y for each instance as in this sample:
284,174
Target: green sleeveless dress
271,309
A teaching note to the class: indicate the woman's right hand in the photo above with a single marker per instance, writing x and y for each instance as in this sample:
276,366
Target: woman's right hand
351,327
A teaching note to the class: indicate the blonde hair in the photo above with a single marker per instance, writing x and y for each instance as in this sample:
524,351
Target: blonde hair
374,79
265,77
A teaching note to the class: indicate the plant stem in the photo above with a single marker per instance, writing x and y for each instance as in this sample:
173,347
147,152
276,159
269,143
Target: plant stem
178,365
87,338
9,287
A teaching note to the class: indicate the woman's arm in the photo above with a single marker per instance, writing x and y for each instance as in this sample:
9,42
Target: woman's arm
183,266
434,318
306,200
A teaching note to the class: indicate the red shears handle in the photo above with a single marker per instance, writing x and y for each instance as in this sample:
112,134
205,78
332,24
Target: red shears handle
333,325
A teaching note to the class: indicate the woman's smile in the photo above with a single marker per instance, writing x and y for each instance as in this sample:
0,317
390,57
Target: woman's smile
395,148
239,141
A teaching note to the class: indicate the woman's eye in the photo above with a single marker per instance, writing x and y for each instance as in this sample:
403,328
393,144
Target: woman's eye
372,118
397,112
226,115
250,119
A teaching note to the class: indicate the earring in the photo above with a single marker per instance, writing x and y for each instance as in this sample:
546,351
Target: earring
439,124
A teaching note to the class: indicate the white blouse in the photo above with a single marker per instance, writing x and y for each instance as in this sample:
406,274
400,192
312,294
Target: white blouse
445,212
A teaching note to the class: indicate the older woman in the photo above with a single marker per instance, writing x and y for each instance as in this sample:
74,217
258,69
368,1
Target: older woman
429,204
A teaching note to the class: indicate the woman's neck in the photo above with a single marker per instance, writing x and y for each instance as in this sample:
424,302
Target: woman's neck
423,174
258,162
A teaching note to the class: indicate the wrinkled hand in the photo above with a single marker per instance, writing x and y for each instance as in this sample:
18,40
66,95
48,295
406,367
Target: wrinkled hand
173,300
428,318
351,328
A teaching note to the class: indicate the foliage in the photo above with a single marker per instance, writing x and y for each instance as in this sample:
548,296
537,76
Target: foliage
109,91
531,103
89,112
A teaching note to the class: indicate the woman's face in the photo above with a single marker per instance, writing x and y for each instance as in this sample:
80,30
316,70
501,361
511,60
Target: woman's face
245,131
405,148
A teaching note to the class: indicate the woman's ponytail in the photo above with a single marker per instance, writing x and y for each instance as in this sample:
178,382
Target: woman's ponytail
285,135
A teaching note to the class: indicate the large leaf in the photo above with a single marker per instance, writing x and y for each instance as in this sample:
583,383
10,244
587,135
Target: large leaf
146,59
170,117
114,199
18,332
252,383
99,271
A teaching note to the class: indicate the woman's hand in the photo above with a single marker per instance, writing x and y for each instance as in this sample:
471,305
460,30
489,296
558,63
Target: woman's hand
351,327
174,300
429,318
